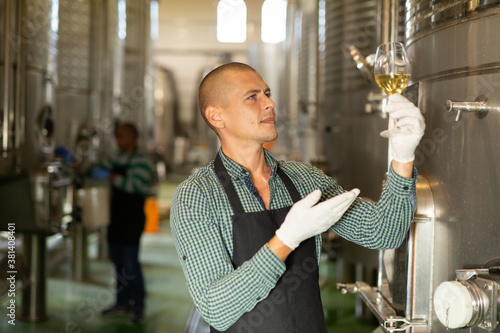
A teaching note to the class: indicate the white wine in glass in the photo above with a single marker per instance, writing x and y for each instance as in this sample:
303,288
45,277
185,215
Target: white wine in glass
391,84
392,68
392,73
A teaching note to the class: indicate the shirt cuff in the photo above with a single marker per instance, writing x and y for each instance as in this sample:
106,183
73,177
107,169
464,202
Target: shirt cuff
400,185
268,265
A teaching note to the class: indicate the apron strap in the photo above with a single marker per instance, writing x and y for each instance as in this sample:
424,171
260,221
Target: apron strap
226,182
289,185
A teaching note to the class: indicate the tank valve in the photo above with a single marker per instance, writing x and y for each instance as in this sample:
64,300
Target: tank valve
376,103
479,107
472,302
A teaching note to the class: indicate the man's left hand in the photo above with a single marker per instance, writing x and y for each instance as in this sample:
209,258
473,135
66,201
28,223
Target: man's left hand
406,128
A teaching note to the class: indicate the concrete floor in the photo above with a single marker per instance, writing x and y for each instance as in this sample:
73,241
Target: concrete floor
74,306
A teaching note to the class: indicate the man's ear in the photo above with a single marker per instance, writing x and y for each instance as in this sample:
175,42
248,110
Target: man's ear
214,118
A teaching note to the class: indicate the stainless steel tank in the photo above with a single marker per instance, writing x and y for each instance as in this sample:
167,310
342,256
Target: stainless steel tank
307,61
137,102
79,86
298,102
349,134
80,90
103,78
446,274
28,68
324,99
62,83
287,115
166,112
110,70
355,154
33,187
455,55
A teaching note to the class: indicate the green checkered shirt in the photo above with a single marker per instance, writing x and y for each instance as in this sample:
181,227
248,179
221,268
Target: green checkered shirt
202,230
139,171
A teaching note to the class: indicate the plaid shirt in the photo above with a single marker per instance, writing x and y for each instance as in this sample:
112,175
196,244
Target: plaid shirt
202,230
139,171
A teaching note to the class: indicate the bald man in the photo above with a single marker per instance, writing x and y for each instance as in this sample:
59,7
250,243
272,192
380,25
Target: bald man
247,227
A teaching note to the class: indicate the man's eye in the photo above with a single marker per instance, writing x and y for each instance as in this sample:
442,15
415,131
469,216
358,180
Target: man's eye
251,97
268,94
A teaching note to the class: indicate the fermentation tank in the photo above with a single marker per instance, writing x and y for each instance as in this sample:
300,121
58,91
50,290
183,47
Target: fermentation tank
329,112
445,277
349,123
28,171
62,84
89,73
137,100
349,133
105,77
166,113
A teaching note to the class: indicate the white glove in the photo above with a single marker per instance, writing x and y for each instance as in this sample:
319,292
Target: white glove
406,128
305,220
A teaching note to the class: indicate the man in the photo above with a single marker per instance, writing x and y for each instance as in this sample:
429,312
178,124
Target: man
248,243
130,176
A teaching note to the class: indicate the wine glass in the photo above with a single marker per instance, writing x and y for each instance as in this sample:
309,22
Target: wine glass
392,68
392,73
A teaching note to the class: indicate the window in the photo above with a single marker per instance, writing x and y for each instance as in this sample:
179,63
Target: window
273,28
231,21
54,16
122,19
154,19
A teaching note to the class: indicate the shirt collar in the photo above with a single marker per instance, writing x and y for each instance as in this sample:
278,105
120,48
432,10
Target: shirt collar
237,171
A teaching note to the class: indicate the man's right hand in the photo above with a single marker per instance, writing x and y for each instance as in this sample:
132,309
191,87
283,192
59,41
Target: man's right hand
305,219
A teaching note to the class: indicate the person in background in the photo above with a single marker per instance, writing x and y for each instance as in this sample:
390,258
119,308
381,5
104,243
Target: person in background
247,227
130,173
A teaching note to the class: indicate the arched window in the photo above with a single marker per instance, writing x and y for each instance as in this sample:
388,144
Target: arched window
54,16
231,21
154,19
122,19
273,26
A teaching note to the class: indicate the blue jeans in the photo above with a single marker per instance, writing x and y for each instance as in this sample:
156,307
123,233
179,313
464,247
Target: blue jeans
129,280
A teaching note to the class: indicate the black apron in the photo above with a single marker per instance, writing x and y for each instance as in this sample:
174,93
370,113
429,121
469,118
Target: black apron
127,212
294,305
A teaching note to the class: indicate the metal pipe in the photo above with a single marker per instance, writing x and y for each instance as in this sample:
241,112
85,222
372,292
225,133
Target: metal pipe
388,21
33,306
6,72
393,21
317,74
107,70
383,25
20,82
144,33
96,66
382,309
80,256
